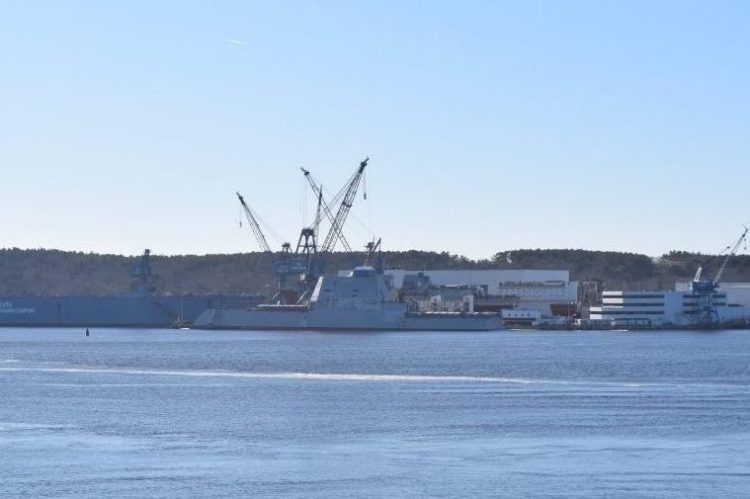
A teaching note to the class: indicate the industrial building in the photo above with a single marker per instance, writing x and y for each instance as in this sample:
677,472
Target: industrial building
737,293
661,308
702,302
549,292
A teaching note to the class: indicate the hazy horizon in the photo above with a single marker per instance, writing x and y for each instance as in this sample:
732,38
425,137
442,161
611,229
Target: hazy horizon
488,257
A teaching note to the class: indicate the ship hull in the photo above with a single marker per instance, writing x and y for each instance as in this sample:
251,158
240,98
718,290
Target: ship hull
350,320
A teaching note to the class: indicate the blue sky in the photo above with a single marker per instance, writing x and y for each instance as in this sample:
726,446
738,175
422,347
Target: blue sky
491,125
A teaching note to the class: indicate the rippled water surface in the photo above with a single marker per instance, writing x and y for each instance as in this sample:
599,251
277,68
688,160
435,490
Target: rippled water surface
165,413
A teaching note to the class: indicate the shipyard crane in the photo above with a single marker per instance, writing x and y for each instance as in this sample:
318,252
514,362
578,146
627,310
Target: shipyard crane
730,255
372,248
287,265
318,190
254,226
297,263
308,240
335,233
142,271
307,244
706,314
307,260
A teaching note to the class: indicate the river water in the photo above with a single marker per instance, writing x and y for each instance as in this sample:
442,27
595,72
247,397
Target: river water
172,413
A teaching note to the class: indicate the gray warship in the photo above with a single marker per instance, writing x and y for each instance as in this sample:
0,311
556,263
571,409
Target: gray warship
363,299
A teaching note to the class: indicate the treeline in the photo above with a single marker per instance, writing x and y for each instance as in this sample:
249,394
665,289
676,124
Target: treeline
54,272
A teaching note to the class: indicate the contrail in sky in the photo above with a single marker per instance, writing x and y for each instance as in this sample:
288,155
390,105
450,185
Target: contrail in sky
235,41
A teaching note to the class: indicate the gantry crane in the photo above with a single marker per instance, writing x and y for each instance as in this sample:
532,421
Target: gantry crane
706,314
141,271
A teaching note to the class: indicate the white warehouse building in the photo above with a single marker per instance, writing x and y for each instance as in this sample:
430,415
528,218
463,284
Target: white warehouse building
628,308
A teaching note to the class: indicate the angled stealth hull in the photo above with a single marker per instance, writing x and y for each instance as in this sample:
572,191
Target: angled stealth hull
361,301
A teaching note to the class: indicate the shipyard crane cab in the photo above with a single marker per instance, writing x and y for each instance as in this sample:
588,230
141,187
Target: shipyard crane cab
143,281
372,249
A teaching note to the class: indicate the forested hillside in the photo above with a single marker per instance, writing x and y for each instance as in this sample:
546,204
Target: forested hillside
54,272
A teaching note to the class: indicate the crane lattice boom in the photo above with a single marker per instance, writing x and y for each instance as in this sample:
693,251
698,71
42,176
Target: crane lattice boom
254,226
731,253
335,232
318,190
